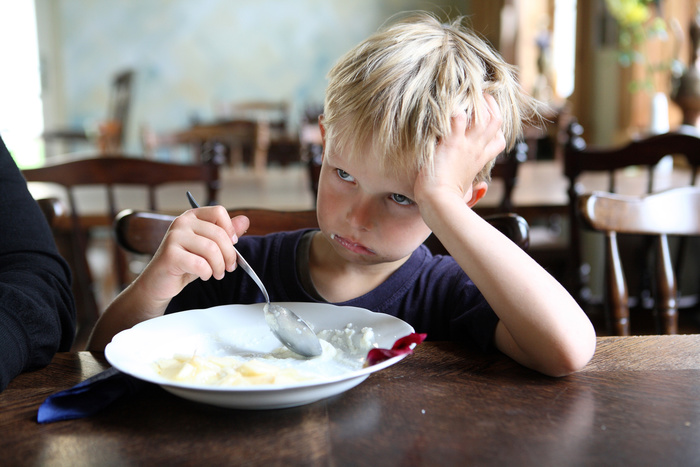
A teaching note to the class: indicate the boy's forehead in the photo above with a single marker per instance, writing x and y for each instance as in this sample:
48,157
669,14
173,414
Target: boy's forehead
386,160
369,162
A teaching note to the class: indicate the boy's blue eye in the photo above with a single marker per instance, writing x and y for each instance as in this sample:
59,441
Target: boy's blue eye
401,199
345,176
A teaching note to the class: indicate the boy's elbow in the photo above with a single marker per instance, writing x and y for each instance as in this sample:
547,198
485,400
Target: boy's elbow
574,356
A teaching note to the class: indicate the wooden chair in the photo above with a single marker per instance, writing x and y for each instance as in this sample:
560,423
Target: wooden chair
110,171
671,212
192,145
506,169
54,211
113,129
56,214
141,232
644,153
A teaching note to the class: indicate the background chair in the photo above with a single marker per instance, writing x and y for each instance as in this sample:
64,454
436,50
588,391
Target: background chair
645,153
672,212
109,172
56,214
54,211
112,131
141,232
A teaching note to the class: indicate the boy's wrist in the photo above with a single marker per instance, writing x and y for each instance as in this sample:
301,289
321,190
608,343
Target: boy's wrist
149,302
442,206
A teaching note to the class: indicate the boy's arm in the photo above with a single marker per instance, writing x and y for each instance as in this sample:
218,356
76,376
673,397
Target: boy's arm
541,325
198,244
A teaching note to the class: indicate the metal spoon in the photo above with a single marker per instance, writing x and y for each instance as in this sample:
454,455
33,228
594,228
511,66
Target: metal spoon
289,328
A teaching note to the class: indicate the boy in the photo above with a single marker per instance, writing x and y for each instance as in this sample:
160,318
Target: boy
414,117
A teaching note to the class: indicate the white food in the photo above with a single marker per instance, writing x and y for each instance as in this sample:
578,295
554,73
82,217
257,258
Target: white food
344,350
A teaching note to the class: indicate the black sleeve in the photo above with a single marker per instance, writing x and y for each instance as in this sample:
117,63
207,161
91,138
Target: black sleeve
37,310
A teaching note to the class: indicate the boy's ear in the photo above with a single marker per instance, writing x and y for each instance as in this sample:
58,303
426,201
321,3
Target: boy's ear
478,192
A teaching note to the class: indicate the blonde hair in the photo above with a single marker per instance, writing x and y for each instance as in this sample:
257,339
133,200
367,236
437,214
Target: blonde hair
397,90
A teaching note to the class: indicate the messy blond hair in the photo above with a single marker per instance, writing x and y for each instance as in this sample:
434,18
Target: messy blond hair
397,90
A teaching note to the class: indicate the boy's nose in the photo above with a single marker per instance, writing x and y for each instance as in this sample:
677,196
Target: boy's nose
361,213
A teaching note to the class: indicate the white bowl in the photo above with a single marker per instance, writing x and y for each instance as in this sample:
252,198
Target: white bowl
241,329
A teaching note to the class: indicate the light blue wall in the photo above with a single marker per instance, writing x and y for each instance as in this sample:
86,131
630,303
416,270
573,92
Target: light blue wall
191,55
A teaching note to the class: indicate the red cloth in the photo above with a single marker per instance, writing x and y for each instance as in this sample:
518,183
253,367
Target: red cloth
405,345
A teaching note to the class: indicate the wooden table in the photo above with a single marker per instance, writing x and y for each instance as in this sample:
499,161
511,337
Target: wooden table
234,134
636,403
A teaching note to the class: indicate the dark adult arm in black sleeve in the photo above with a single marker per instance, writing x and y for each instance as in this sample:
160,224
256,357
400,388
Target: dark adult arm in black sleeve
37,310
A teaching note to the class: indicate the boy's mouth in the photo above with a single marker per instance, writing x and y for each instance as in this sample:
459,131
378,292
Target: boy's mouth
351,246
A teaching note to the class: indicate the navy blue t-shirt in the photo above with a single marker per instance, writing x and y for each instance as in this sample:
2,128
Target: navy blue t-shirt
431,293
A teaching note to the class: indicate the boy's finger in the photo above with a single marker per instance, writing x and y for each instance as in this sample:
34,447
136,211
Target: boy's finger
217,215
210,233
240,225
207,258
492,105
193,254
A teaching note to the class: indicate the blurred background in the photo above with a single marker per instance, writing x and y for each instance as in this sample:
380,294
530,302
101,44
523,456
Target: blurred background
191,60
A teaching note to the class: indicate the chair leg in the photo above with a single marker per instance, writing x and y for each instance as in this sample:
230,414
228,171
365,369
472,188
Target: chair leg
667,293
261,147
86,305
618,295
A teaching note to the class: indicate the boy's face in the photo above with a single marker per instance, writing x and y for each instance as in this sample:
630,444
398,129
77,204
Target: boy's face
367,216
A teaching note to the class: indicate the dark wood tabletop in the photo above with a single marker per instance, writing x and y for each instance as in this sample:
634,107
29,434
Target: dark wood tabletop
636,403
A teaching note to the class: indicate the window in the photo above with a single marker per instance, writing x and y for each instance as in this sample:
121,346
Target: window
21,118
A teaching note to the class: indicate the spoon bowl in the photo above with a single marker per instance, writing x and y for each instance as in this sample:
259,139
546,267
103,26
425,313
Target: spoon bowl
291,330
287,326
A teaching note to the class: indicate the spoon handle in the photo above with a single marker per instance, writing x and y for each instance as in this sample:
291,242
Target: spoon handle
246,267
239,259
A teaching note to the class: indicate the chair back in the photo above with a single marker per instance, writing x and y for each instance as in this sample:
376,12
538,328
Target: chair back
54,211
141,232
672,212
119,105
118,169
57,216
645,153
111,171
506,169
112,131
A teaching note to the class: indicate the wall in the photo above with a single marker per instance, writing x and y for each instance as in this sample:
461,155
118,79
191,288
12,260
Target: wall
191,56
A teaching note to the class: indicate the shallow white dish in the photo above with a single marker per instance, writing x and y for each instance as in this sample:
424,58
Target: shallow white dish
234,329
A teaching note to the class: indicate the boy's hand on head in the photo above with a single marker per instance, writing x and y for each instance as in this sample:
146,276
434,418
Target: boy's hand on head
460,157
198,244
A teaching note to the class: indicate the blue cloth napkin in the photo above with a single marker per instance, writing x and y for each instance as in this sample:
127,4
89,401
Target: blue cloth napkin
89,397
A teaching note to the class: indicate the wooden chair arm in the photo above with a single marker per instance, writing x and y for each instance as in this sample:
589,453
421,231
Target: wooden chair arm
141,232
53,209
